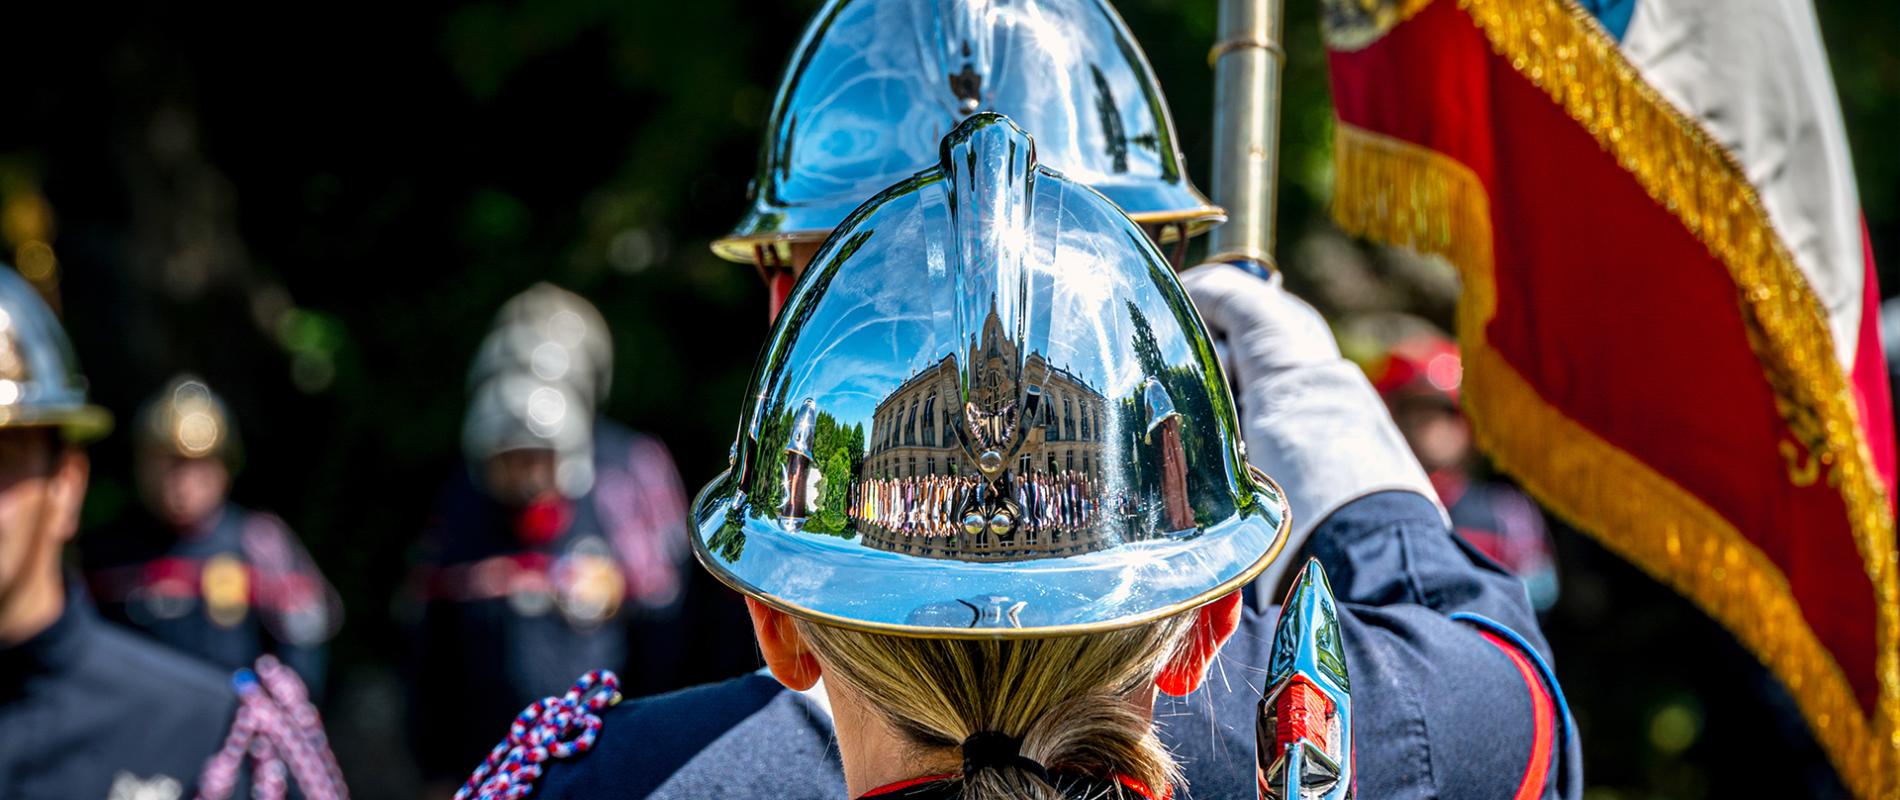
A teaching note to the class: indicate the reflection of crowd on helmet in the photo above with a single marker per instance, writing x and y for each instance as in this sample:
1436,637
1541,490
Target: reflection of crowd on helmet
928,505
920,506
1062,501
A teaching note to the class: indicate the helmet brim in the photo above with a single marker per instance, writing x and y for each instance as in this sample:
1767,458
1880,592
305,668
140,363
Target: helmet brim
769,228
77,424
841,583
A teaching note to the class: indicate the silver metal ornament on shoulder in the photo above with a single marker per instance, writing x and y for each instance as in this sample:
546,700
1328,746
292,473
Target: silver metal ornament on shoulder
40,383
1304,745
875,84
988,410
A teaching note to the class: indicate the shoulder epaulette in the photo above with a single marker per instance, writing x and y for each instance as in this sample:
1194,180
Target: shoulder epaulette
553,727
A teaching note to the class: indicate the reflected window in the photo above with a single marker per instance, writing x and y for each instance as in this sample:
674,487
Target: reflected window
1068,419
930,466
1085,421
910,425
1071,466
953,466
913,466
930,421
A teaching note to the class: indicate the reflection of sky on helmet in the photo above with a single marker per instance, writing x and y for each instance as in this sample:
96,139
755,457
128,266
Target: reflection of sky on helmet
1045,68
881,321
873,102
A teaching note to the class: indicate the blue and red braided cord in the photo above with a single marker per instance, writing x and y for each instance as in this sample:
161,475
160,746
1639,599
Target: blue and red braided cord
554,727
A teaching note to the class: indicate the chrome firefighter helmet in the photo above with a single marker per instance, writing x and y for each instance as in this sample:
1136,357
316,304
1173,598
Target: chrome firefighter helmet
989,410
874,84
40,383
553,333
187,419
519,410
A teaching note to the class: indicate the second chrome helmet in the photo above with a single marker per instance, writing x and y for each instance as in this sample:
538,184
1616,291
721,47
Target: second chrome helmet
875,84
989,410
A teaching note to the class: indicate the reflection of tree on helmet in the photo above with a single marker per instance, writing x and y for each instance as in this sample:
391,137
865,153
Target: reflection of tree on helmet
874,84
979,303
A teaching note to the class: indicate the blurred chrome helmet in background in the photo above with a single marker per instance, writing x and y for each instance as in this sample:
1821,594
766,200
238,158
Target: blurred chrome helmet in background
519,410
187,419
40,383
553,333
875,84
989,410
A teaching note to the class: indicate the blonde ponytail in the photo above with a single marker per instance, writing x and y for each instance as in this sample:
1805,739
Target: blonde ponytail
1066,698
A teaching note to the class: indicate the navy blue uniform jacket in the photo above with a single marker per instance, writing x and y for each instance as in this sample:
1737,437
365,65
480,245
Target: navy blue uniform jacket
86,702
1439,709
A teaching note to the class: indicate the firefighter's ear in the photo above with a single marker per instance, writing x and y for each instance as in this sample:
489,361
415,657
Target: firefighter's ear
1214,624
786,653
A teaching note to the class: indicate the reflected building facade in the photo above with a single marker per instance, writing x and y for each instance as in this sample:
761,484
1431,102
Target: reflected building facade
913,431
919,487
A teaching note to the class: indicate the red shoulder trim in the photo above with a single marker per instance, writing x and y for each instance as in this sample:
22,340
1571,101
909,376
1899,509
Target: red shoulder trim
1543,720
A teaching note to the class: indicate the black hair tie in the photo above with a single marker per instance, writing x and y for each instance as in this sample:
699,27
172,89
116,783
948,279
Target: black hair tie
994,749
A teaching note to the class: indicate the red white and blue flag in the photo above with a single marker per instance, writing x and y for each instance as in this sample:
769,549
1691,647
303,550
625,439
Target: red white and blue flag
1669,304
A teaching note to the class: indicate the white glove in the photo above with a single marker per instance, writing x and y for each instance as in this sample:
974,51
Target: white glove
1311,419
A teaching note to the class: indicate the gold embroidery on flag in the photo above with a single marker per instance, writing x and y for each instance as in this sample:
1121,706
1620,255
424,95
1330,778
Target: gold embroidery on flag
1397,192
1561,49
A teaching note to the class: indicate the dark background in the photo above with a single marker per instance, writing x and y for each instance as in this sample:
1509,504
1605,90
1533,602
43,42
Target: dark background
318,207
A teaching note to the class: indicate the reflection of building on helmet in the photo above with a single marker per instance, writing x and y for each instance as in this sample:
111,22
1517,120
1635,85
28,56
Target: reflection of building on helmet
40,384
187,419
517,410
553,333
874,84
951,427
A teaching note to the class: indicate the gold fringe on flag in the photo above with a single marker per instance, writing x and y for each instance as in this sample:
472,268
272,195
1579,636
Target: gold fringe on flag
1400,193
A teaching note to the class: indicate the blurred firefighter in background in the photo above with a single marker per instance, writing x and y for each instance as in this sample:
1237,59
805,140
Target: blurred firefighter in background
87,708
559,546
197,571
1419,379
